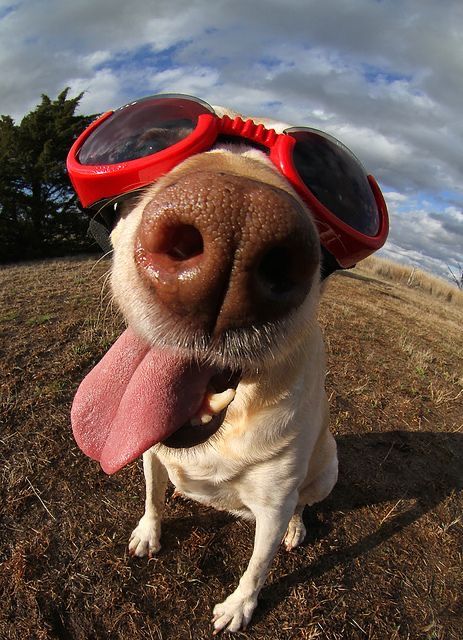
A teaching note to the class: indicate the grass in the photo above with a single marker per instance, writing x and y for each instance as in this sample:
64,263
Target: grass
413,278
382,558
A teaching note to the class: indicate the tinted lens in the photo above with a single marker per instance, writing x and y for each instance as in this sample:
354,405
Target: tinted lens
142,128
336,178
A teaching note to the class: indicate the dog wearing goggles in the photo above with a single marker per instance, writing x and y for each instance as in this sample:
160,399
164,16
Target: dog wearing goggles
222,229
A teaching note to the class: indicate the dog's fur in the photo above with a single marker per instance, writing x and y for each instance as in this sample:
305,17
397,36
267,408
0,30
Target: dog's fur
274,453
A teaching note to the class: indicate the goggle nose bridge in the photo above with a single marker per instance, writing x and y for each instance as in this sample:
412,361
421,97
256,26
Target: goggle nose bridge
248,130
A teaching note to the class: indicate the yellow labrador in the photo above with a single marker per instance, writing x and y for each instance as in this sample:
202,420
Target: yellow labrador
219,380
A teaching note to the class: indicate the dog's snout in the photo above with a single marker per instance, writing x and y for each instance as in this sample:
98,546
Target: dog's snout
225,251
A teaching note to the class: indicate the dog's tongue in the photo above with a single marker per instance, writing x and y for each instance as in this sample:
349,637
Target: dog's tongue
135,397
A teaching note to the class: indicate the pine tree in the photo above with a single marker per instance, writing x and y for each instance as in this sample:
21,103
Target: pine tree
38,213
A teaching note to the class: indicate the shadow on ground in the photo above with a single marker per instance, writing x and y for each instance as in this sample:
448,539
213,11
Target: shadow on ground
417,468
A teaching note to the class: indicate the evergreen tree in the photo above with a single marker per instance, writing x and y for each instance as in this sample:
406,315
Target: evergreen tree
38,212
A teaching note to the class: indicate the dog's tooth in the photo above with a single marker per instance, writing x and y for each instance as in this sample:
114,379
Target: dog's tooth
214,403
218,401
205,418
200,418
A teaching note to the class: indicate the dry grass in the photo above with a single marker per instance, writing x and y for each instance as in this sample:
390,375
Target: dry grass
412,278
383,556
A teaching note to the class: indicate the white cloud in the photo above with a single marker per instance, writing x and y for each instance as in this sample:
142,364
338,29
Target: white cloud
425,239
102,87
393,198
195,82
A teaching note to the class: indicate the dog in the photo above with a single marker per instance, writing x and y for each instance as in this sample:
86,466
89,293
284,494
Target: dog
223,333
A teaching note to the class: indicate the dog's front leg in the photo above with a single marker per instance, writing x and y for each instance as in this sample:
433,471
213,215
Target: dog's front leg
145,538
271,523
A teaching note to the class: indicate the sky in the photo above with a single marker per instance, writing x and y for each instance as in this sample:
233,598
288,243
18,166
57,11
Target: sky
383,76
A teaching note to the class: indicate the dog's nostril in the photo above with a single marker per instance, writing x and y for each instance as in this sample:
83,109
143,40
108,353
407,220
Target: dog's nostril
180,242
276,271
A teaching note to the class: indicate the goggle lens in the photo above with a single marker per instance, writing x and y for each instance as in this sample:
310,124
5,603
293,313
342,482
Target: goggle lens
142,128
336,178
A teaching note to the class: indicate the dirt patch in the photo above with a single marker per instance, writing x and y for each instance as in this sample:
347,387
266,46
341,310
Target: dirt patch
383,554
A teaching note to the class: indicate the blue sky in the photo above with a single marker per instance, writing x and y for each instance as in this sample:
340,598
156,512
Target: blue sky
383,77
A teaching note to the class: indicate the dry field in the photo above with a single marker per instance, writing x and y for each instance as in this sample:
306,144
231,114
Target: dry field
383,557
413,278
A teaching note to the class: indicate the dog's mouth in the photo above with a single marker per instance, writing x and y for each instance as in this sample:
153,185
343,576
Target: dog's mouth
138,396
207,420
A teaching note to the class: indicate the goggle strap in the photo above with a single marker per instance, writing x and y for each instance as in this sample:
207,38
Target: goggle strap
100,234
329,264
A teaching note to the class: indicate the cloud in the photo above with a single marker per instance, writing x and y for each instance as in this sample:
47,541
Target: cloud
428,239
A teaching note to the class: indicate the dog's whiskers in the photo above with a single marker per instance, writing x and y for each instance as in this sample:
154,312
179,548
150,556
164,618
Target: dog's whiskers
103,257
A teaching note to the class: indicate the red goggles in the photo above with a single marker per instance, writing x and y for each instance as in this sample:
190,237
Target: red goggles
131,147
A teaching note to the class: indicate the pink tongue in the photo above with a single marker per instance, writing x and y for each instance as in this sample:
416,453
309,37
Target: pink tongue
134,398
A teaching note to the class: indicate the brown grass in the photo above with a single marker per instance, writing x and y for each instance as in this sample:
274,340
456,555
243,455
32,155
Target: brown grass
412,278
383,558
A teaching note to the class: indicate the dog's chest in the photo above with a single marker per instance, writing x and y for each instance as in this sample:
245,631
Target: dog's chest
210,483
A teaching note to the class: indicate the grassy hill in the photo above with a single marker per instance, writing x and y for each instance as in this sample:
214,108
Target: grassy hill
382,558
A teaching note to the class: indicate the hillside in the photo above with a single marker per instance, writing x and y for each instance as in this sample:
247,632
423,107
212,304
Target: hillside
382,558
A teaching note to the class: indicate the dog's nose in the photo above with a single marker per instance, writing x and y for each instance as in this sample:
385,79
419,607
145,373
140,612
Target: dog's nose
226,251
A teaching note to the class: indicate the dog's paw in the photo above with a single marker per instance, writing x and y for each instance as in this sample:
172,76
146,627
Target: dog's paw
295,533
234,613
144,540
